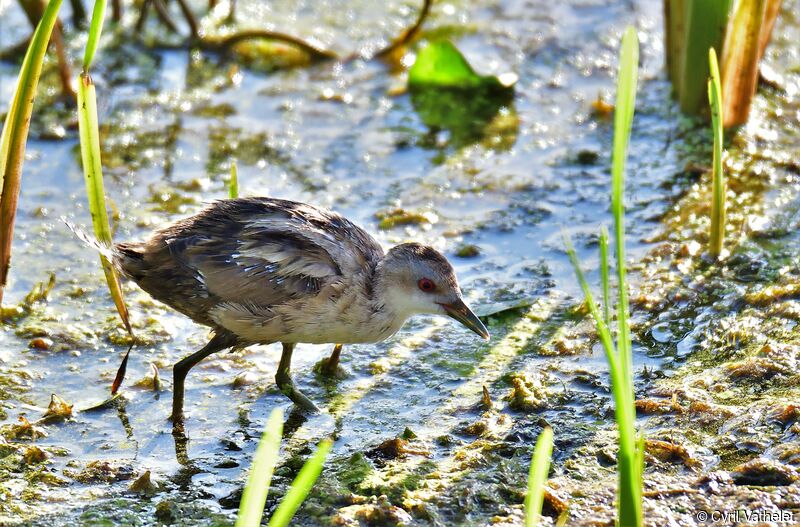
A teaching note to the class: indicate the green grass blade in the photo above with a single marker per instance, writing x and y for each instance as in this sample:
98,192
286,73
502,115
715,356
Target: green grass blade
537,477
300,486
623,119
15,133
717,235
251,508
98,15
630,503
604,281
233,186
93,174
602,328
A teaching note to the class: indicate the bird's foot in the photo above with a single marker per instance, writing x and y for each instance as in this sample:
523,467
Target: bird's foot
329,369
286,385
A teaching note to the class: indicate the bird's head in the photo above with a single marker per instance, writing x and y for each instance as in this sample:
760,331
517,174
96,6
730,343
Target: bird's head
418,279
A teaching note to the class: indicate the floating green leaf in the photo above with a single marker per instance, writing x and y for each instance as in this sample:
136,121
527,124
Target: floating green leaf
15,133
441,64
448,94
537,477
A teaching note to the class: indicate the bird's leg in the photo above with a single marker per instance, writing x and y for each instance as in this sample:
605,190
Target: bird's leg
220,342
284,381
330,366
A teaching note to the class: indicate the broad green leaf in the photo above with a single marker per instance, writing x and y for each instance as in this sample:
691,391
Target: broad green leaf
441,64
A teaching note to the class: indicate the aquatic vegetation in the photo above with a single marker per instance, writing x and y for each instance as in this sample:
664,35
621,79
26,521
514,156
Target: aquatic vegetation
15,133
448,94
254,497
92,168
233,184
537,477
717,237
741,30
630,457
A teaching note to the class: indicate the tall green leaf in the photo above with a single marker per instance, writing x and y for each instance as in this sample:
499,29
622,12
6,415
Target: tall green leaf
630,499
705,28
301,486
537,477
717,236
93,175
251,508
233,186
15,133
88,128
623,119
98,15
604,281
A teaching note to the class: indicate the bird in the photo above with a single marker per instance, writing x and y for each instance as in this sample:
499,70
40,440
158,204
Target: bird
261,270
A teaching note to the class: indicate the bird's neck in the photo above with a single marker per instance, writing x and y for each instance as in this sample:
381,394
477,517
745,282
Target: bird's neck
387,313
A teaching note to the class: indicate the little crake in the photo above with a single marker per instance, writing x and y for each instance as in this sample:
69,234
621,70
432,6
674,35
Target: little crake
262,270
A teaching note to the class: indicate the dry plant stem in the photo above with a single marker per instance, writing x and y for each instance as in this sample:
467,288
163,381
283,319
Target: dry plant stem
740,60
78,13
116,10
232,40
773,8
194,27
409,34
163,15
33,12
64,69
16,50
143,11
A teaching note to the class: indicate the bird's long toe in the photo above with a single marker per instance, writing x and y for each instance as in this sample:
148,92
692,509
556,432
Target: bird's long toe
286,385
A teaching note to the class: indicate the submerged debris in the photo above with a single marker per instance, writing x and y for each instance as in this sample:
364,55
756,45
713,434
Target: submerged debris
396,217
764,472
59,409
377,511
527,395
144,484
25,429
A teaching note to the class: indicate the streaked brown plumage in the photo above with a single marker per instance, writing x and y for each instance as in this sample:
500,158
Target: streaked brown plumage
263,270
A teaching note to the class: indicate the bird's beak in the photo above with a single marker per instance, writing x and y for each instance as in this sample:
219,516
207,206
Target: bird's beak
459,311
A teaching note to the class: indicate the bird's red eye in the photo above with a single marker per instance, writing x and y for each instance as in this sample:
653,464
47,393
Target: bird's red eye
426,285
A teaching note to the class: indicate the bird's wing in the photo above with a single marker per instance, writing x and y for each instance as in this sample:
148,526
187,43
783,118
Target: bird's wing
263,252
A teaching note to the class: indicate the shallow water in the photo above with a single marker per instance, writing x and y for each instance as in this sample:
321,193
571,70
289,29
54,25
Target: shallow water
337,135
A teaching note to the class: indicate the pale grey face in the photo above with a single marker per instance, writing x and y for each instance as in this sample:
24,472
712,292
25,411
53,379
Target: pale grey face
421,280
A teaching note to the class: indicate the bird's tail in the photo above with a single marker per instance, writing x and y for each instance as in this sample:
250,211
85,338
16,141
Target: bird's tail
112,255
91,241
